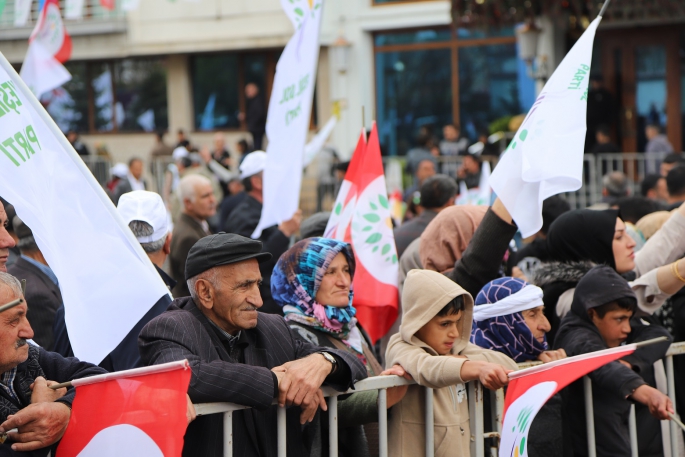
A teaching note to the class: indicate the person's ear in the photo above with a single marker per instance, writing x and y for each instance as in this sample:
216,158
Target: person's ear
167,244
592,314
205,293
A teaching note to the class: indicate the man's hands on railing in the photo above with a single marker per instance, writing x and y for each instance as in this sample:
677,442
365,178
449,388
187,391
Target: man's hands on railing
659,404
299,384
396,394
491,375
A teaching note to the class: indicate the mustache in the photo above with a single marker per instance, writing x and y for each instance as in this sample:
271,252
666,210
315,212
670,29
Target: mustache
250,308
20,343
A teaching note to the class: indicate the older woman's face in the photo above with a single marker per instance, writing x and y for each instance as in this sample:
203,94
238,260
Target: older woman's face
624,248
335,284
537,322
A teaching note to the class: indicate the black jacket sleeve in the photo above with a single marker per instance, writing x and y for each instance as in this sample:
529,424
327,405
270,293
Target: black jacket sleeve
63,369
614,377
646,356
481,261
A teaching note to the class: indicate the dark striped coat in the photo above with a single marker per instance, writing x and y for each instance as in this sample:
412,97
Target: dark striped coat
183,332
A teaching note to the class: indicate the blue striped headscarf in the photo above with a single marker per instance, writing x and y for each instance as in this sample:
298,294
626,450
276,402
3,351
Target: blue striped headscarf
508,334
296,280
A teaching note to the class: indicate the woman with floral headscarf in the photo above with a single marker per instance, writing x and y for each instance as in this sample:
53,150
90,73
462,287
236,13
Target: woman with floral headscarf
312,282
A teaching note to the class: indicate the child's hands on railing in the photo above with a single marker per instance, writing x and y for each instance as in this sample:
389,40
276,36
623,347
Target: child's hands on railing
491,375
396,394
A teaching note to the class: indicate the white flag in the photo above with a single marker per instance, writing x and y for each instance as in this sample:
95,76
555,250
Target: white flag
545,157
130,5
317,143
107,281
22,12
287,122
73,9
41,71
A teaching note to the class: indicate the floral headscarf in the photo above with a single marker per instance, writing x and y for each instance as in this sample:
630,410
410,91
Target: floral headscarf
507,334
296,280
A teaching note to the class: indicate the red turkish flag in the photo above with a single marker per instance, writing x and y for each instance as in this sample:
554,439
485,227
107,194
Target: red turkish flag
132,413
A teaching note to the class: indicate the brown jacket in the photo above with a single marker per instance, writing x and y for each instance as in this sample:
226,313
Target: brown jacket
187,232
425,294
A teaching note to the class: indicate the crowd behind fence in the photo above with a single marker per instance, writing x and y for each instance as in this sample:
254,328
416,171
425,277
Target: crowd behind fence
475,398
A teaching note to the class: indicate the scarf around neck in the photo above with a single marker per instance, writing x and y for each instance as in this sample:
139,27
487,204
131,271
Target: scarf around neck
296,280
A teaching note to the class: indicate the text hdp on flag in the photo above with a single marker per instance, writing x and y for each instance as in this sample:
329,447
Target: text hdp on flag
133,413
530,389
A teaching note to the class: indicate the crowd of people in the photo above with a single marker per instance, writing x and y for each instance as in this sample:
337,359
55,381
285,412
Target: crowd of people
267,322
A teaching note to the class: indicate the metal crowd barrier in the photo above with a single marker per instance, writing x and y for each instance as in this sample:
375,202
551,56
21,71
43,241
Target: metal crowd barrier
475,398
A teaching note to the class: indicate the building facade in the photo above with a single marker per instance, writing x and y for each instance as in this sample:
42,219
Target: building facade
179,64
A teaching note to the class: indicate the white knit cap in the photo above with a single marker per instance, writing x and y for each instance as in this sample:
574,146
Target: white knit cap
141,205
119,170
179,153
252,164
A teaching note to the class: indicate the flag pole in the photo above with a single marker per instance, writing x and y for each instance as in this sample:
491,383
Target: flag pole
675,419
62,140
661,339
604,7
11,304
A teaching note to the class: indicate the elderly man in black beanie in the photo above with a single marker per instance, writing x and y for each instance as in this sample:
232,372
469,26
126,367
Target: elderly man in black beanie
239,355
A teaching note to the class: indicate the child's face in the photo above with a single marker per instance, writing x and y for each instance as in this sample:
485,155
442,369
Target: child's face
614,326
441,332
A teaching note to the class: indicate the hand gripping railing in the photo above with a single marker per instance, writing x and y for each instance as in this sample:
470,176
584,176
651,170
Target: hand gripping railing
475,398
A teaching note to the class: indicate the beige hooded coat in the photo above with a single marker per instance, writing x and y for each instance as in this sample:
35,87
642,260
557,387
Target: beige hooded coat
425,294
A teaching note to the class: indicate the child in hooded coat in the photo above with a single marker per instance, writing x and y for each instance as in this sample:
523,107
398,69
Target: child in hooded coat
425,296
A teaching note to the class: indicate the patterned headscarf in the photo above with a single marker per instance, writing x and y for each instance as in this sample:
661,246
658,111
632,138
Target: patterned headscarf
508,334
296,280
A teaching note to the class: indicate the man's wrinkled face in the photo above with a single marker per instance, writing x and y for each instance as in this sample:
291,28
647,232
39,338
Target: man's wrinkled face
6,240
14,331
203,206
237,298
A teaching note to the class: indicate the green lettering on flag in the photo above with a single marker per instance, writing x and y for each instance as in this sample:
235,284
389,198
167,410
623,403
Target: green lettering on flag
2,6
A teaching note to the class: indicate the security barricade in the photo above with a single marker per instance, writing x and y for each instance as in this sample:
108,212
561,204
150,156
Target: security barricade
475,398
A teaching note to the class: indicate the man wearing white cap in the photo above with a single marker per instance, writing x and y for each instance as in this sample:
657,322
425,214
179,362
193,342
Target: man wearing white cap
244,219
146,216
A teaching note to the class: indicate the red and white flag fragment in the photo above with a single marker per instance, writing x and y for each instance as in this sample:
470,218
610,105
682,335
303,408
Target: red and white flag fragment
132,413
51,33
361,216
530,389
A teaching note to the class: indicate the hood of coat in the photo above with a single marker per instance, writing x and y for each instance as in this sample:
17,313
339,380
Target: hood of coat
425,294
550,272
600,286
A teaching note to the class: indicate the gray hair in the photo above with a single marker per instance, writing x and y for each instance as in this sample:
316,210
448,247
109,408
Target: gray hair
211,276
187,185
13,283
616,184
142,228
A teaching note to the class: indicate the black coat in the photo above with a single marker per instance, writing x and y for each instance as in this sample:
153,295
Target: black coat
43,298
183,332
243,220
614,382
255,115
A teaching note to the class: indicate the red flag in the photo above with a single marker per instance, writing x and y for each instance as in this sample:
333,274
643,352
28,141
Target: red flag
107,4
361,215
51,33
530,389
136,413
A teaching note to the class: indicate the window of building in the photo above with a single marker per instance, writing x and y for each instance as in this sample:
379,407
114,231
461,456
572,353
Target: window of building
427,78
219,86
113,96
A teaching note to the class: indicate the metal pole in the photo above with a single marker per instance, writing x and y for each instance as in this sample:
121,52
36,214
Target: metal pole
632,427
280,420
383,423
670,382
604,7
476,418
589,418
430,440
333,426
228,434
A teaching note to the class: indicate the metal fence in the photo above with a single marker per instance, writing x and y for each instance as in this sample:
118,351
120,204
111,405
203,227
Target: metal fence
475,398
